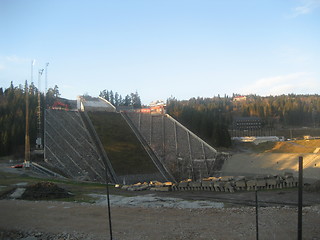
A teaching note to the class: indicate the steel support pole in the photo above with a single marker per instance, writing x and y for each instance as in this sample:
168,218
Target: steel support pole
108,202
300,198
45,114
163,138
151,129
257,216
27,137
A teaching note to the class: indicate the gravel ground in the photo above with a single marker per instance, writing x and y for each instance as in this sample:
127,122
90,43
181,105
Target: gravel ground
37,220
163,216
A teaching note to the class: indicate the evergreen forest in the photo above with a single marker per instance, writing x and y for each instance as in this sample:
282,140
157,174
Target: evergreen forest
13,116
130,100
210,118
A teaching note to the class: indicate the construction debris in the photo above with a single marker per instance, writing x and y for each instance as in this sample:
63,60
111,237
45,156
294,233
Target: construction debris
152,185
220,184
238,183
44,190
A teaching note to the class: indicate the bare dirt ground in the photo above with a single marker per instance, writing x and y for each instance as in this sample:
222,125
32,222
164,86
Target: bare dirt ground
161,215
83,221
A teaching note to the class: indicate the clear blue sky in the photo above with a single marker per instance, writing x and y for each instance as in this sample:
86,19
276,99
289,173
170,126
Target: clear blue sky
163,48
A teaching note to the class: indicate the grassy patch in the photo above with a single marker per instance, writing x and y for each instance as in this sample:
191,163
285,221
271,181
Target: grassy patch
124,150
79,190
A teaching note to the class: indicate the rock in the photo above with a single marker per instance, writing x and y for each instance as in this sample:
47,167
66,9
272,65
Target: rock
17,193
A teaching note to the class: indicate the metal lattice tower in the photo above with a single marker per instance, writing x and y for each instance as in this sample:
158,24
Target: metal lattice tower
39,132
27,138
45,111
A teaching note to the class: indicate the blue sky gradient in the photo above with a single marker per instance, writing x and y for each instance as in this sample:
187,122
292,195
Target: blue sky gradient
178,48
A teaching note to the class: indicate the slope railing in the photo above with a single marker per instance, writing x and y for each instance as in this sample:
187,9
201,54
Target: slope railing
157,162
44,170
191,133
110,171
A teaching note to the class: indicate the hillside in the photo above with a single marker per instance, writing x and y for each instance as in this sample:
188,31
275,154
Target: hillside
125,152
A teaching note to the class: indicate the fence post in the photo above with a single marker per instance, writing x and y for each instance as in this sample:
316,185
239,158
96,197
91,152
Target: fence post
257,220
300,198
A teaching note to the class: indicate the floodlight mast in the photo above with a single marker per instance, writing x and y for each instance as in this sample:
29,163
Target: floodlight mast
27,138
45,114
32,64
39,138
46,82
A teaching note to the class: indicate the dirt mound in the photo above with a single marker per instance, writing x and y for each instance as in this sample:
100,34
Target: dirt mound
299,146
44,190
314,187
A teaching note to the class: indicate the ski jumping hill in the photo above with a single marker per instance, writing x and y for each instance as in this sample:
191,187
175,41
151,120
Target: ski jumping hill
96,143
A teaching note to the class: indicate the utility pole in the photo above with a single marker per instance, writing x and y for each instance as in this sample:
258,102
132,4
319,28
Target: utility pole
39,138
27,138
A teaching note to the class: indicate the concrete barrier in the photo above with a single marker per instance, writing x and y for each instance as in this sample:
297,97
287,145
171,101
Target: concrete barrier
241,185
271,183
230,184
196,186
182,186
261,184
251,184
207,185
228,187
218,186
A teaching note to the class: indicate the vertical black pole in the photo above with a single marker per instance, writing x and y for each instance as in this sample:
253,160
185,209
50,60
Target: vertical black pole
108,201
257,222
300,198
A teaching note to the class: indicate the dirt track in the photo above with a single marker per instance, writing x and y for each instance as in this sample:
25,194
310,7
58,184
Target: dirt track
90,221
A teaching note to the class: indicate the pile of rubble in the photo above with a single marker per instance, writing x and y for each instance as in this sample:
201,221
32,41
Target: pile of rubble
44,190
152,186
220,184
238,183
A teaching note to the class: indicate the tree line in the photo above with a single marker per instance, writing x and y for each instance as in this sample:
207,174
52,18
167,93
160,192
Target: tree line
212,117
13,116
132,99
205,117
283,110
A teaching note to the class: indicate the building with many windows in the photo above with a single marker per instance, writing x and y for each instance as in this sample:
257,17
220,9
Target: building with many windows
247,123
